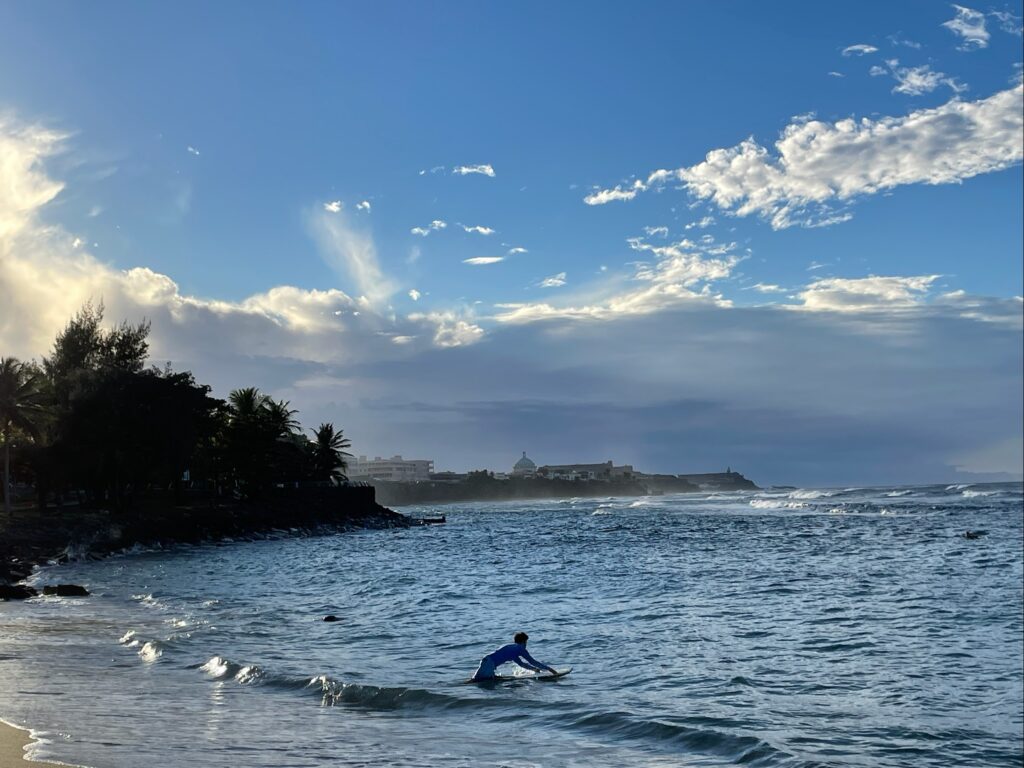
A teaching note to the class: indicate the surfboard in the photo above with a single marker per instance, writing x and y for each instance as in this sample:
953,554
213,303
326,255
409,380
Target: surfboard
541,678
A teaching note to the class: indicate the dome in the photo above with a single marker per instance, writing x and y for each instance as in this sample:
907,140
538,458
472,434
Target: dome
525,463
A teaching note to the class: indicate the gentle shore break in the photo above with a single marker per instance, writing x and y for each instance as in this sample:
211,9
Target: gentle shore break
13,743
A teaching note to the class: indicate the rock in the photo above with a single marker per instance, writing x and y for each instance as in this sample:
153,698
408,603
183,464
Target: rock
331,617
16,592
66,590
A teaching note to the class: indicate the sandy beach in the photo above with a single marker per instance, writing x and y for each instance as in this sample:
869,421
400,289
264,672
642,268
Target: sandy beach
12,748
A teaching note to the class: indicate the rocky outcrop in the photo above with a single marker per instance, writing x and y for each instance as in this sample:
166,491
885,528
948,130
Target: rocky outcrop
66,590
33,538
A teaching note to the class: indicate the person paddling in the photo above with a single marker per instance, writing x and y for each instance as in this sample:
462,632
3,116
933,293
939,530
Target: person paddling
515,652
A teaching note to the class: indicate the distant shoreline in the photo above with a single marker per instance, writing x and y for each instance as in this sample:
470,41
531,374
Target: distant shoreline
485,488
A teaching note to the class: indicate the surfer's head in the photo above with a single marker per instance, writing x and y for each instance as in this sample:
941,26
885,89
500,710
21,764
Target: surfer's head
521,638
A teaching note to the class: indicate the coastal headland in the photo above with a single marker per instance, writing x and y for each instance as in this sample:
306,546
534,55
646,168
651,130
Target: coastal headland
484,486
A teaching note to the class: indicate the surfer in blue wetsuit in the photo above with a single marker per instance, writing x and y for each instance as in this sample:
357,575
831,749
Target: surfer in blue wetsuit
514,652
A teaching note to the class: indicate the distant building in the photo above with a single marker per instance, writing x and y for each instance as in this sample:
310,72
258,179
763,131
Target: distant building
524,467
396,469
448,477
604,471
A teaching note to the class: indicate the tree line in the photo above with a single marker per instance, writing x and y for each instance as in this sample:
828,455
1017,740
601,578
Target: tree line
92,419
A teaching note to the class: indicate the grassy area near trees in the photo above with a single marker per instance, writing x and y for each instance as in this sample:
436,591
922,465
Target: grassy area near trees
94,422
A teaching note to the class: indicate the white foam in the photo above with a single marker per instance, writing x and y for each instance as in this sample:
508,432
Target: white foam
958,487
893,494
974,494
776,504
809,494
151,651
216,667
249,674
127,637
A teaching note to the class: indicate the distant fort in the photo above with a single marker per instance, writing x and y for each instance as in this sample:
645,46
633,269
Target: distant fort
412,481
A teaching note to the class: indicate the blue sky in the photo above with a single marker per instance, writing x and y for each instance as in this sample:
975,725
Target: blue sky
333,171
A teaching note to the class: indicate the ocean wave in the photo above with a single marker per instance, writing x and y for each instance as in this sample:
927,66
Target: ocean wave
776,504
733,747
958,487
127,637
150,651
896,494
975,494
810,494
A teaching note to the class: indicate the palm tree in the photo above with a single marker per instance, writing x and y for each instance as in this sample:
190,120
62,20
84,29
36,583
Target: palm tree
247,403
22,406
281,418
329,452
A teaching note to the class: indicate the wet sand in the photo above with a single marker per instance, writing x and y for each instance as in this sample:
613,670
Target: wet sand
12,748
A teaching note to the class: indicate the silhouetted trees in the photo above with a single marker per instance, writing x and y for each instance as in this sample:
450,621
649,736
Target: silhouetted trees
95,421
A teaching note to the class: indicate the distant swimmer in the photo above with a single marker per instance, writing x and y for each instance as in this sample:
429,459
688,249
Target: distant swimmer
974,534
515,652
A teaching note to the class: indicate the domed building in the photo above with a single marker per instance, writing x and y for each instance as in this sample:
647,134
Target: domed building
524,467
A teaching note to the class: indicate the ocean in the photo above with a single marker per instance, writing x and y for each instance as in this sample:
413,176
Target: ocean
797,628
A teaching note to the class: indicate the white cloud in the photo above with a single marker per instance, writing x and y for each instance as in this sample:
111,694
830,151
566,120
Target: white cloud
555,281
478,229
192,150
465,170
516,250
450,328
915,81
866,294
769,288
860,49
351,252
433,226
877,71
679,275
95,211
414,294
896,40
25,187
969,25
704,223
656,231
478,261
833,73
1008,22
817,164
363,206
618,193
334,206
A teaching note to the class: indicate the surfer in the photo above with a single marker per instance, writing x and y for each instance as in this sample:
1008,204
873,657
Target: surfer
515,652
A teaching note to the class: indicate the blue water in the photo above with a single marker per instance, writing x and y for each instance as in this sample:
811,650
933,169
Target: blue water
835,628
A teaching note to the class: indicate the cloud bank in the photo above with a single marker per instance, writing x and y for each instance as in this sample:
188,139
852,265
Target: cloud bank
816,168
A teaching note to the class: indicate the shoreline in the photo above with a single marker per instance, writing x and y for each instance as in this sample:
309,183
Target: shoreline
35,539
14,744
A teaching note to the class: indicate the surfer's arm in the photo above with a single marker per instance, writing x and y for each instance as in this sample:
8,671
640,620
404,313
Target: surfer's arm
532,663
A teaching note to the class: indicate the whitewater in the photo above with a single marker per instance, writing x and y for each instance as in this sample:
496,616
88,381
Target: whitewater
786,627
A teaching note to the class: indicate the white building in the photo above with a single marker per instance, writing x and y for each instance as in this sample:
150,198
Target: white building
396,469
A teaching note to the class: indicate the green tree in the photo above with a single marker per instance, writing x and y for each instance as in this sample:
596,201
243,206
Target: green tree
22,409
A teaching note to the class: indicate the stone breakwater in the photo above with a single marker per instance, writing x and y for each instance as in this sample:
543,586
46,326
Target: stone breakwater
33,538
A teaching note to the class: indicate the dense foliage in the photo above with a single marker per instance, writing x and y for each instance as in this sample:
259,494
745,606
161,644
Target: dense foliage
93,422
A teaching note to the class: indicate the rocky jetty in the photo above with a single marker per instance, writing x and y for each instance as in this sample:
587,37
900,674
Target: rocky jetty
33,538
